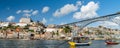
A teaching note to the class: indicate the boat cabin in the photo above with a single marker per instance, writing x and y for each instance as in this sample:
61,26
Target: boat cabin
81,39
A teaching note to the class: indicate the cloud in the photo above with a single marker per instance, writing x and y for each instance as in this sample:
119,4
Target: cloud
62,23
66,9
116,20
87,11
35,12
10,18
19,11
44,21
109,24
28,12
45,9
78,3
27,15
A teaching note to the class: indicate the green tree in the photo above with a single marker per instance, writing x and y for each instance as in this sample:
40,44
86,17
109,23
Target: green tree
99,32
87,32
31,30
67,29
53,33
57,33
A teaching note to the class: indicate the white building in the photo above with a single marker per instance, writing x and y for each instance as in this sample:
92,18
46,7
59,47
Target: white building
21,24
25,20
4,24
51,26
33,28
51,30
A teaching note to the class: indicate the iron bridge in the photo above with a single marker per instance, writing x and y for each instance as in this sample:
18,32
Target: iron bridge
84,23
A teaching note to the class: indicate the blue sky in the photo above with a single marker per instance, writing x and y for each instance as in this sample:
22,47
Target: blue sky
56,11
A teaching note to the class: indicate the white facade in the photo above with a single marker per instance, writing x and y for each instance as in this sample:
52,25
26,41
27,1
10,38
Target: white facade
51,29
4,24
21,24
25,20
33,28
51,26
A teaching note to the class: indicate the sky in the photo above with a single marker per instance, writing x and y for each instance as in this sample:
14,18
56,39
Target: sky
57,11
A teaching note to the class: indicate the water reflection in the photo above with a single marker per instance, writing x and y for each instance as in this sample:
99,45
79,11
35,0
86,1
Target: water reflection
33,44
99,44
50,44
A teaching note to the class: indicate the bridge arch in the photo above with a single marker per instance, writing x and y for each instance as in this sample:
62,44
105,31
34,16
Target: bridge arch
86,22
103,18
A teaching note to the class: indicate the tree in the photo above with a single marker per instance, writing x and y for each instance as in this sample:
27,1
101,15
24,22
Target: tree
40,24
4,31
87,32
67,29
31,30
53,33
57,33
26,27
99,32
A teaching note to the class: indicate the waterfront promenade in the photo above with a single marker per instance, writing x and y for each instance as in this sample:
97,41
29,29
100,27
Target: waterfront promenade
27,36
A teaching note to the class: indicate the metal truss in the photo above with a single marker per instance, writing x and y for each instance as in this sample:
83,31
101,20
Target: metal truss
84,23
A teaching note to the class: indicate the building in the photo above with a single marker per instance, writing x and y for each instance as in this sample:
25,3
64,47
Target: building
25,20
21,24
34,28
51,29
51,26
5,24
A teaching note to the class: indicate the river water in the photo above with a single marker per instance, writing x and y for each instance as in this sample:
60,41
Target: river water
50,44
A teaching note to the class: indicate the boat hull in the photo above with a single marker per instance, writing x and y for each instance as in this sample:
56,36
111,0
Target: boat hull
112,43
82,44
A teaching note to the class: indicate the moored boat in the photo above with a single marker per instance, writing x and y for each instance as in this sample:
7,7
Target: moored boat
83,44
81,41
111,42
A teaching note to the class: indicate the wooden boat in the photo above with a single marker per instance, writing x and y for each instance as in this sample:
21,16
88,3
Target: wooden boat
81,41
111,42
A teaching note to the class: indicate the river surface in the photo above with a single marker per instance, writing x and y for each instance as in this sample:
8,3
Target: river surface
50,44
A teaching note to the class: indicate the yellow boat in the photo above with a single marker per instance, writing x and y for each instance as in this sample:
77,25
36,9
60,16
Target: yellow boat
72,44
80,41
